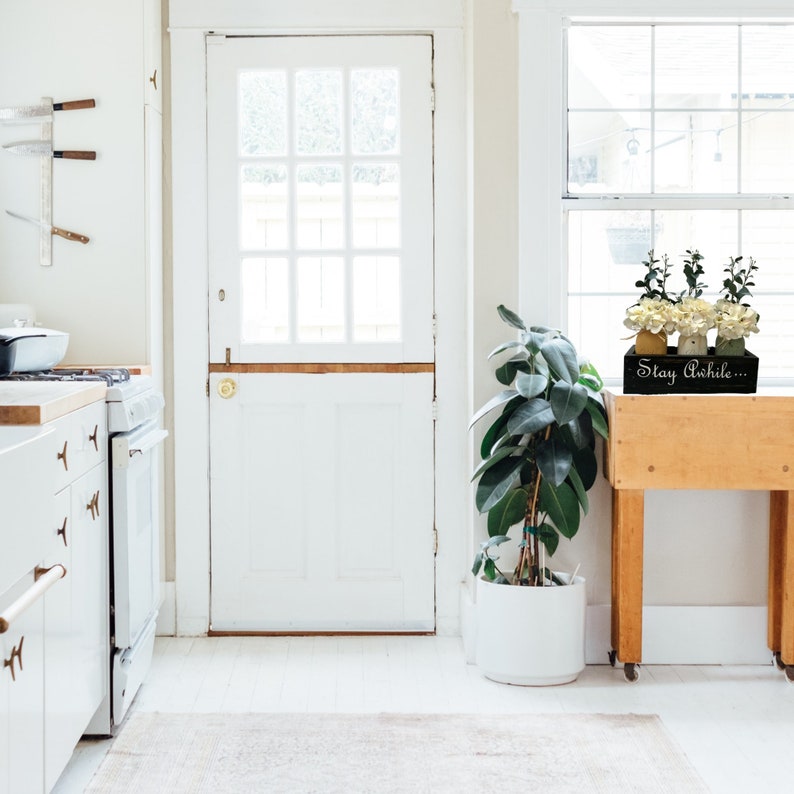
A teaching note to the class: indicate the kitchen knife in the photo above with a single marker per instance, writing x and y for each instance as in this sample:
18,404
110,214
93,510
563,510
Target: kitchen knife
45,148
65,233
42,112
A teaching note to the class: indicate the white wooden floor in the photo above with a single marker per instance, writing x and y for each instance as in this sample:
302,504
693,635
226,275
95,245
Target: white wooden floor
736,724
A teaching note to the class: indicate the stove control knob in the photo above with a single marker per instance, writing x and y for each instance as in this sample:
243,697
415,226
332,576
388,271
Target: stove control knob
227,388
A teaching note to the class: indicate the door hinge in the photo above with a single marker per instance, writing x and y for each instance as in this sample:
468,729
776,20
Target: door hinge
435,327
228,356
208,387
432,99
435,540
434,409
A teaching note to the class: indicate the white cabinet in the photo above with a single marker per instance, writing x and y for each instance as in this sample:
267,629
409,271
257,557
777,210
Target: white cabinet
76,607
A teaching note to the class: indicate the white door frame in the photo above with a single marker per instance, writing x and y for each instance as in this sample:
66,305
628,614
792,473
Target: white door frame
190,21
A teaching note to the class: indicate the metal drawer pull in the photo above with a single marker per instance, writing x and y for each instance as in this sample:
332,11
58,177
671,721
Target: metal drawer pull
45,578
62,531
62,455
93,506
16,651
93,437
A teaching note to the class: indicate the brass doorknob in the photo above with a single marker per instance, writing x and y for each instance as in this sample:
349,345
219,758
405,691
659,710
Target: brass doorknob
227,388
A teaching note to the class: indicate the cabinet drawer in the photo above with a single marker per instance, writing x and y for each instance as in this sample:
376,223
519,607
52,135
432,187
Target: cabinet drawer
79,443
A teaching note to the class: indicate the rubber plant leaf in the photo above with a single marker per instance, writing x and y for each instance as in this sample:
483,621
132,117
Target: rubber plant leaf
575,481
500,454
507,372
567,400
561,357
549,537
580,430
562,507
495,436
494,402
586,465
496,482
554,460
507,346
507,512
511,318
599,420
531,385
531,417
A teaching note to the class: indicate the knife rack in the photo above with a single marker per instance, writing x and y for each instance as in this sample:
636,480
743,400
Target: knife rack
45,244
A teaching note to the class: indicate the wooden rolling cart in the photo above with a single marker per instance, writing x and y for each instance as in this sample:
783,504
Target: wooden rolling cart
677,441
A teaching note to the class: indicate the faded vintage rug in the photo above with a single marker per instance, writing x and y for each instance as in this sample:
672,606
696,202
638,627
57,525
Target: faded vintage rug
352,753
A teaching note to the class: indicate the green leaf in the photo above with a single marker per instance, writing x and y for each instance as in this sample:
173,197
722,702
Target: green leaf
531,417
500,454
531,385
567,401
590,377
490,569
581,431
561,356
506,346
586,465
495,434
599,417
549,537
507,372
496,482
494,402
562,507
554,460
478,560
511,318
575,481
507,512
533,340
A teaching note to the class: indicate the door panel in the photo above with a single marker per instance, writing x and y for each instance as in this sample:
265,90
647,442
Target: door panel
322,511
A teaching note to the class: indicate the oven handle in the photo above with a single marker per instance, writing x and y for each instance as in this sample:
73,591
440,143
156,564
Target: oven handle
126,448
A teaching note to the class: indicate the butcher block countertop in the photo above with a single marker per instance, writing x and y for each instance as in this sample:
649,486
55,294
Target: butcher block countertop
37,402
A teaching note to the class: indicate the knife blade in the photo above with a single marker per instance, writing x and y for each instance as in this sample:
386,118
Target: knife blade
39,112
45,148
65,233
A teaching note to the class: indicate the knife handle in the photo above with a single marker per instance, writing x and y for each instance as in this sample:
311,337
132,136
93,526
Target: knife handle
71,154
77,104
67,235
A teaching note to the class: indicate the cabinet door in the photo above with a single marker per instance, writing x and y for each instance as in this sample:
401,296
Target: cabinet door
90,598
62,725
22,694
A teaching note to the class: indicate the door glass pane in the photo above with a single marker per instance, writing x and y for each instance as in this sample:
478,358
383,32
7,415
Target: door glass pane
318,111
376,299
320,201
263,207
263,112
264,290
375,110
376,206
321,299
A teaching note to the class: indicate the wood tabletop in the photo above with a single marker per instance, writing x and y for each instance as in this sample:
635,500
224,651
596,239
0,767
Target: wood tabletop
37,402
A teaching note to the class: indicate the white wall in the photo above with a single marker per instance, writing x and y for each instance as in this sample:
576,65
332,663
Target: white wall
96,292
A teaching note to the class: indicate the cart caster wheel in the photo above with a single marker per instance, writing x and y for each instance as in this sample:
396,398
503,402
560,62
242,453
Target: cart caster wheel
613,655
778,661
631,672
789,673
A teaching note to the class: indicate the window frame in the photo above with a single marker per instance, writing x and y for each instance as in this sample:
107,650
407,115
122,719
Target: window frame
543,180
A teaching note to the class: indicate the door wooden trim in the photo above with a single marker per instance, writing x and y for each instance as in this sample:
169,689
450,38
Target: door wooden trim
323,368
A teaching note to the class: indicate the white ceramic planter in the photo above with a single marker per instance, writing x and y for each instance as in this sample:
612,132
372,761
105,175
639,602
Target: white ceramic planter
531,636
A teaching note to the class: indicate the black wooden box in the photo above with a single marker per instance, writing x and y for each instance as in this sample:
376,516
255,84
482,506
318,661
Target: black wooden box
674,374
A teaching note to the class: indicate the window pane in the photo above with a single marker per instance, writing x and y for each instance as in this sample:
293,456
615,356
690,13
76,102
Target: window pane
376,206
375,110
762,47
263,113
264,208
767,161
614,150
320,222
321,299
376,299
609,67
318,108
696,152
264,301
696,66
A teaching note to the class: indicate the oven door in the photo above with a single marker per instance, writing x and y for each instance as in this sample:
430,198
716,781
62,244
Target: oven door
136,530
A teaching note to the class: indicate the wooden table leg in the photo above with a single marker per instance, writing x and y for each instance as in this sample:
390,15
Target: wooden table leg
628,517
780,627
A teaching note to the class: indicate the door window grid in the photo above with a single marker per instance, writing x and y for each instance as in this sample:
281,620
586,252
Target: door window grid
321,192
641,175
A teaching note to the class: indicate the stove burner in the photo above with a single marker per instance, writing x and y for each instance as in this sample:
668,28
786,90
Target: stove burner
109,376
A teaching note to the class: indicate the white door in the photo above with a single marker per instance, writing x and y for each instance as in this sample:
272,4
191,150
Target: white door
321,333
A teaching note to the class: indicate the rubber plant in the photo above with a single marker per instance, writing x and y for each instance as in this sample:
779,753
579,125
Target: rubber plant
538,454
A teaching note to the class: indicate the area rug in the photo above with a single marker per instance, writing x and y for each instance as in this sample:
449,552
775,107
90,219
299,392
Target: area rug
393,753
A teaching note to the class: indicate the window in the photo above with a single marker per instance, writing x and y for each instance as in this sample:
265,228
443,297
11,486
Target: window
678,136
